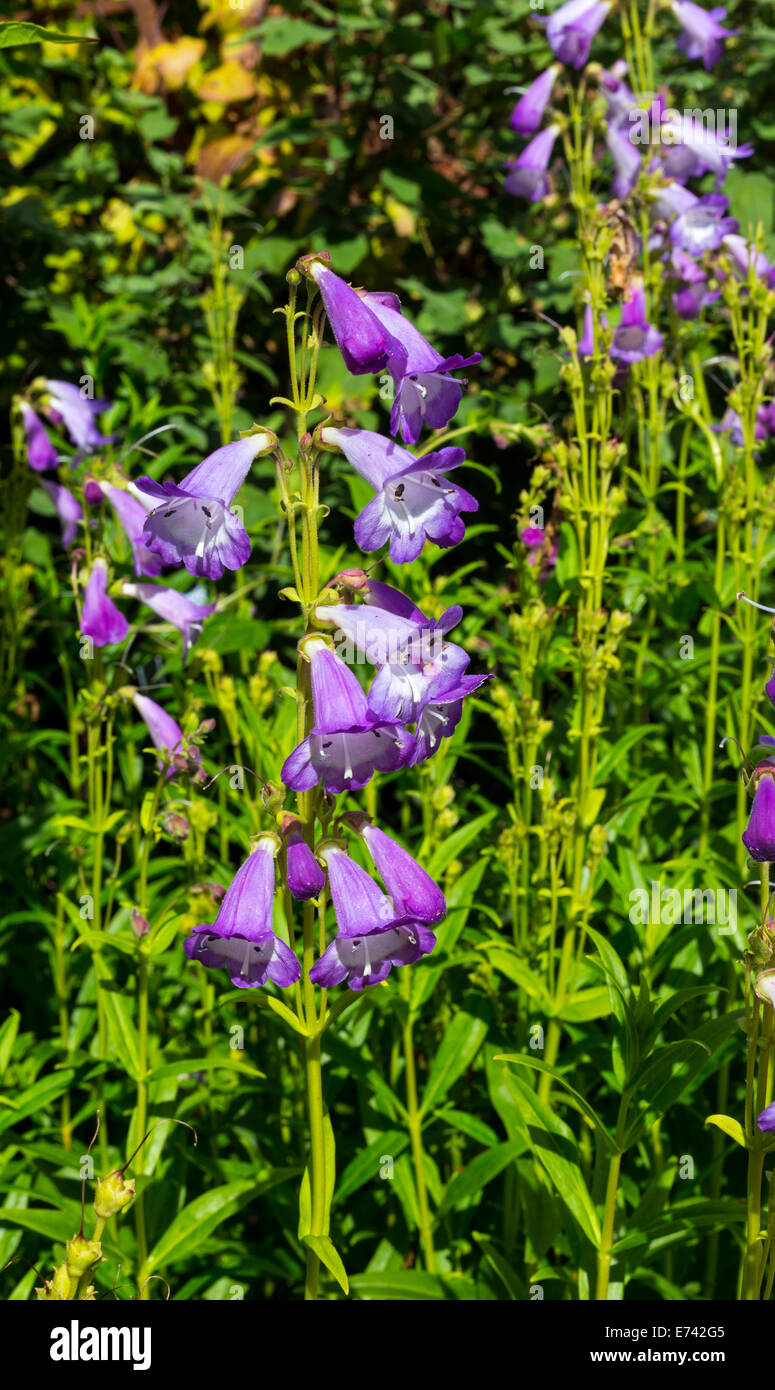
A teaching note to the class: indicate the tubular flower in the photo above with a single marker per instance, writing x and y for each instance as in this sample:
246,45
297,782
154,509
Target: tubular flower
745,257
527,176
364,342
571,29
766,1121
414,500
176,608
703,36
371,936
347,743
425,393
165,734
635,338
41,453
701,226
626,157
529,110
412,890
100,618
408,648
440,715
305,876
68,507
132,512
66,404
241,939
759,834
195,527
709,151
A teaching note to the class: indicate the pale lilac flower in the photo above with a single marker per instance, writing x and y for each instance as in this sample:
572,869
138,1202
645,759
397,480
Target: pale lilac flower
66,403
701,226
571,29
529,110
440,716
176,608
241,940
413,892
166,735
68,508
626,157
132,511
100,618
766,1121
414,499
711,153
635,338
703,36
41,453
194,526
745,257
527,176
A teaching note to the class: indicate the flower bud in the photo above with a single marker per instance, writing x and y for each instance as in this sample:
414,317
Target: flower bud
176,825
81,1254
113,1195
139,924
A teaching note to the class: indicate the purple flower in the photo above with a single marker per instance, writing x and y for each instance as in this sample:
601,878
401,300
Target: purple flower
166,735
241,940
571,29
195,527
440,716
132,512
176,608
708,149
100,618
701,226
68,509
364,342
67,403
586,343
425,393
694,293
759,834
41,453
371,937
347,742
527,177
618,95
414,499
412,890
635,338
703,36
733,426
408,648
766,1121
533,537
626,157
305,876
529,110
745,257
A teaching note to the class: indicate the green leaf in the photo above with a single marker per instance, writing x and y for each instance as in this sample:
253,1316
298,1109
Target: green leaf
8,1034
730,1126
522,1059
326,1252
36,1097
15,32
366,1164
196,1222
477,1174
187,1065
123,1033
459,1046
305,1191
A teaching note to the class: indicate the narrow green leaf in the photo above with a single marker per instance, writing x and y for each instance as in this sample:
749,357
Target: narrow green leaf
328,1255
459,1046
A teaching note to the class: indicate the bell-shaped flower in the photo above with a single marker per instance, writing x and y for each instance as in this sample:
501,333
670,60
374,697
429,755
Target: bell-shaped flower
745,258
634,337
409,649
241,940
41,453
701,226
626,157
571,29
132,510
166,736
528,176
766,1121
529,110
347,742
440,716
68,507
414,499
67,405
365,343
100,618
759,834
694,291
176,608
371,936
710,152
413,892
194,525
305,877
425,393
702,37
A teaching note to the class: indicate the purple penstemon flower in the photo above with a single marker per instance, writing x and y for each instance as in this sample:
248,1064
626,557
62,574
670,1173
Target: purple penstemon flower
703,36
365,343
176,608
408,648
100,618
194,526
571,29
620,99
305,877
626,157
166,735
68,507
533,538
766,1120
759,834
527,176
132,511
425,392
347,742
710,152
414,499
371,936
745,257
634,337
412,890
702,226
438,718
694,292
41,453
242,940
529,110
67,403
